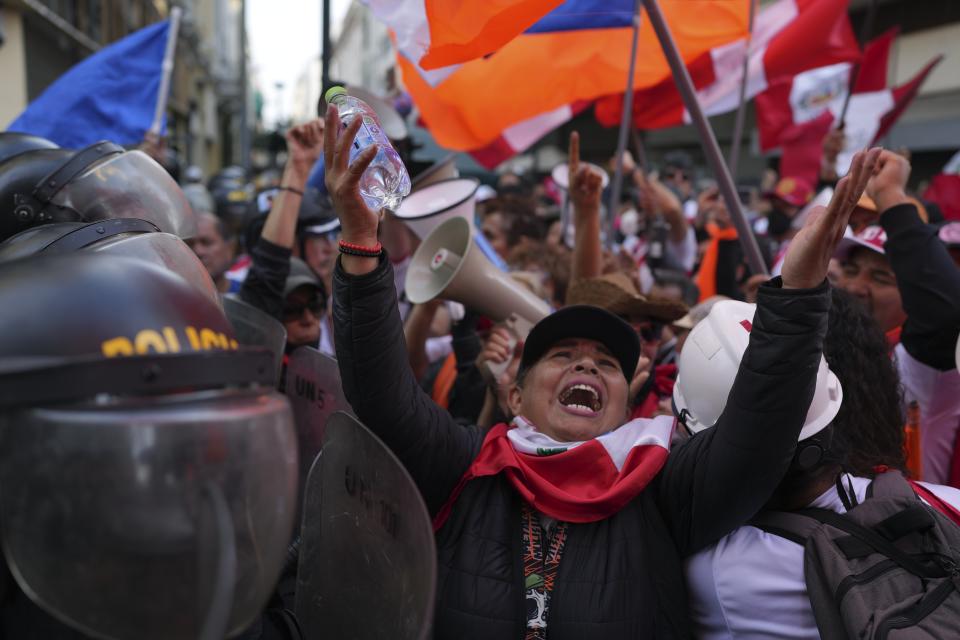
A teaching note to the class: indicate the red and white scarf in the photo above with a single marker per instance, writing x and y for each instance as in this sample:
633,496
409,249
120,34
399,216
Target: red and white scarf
571,481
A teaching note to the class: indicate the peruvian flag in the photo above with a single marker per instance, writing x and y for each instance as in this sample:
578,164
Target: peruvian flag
789,36
791,114
571,481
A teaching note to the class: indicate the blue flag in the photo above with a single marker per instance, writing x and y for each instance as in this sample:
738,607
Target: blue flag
110,95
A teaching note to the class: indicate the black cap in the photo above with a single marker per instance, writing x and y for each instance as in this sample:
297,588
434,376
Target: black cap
302,275
583,321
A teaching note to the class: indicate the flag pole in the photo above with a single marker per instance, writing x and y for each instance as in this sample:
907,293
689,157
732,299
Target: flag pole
244,91
865,32
707,138
641,150
166,70
734,160
625,119
325,49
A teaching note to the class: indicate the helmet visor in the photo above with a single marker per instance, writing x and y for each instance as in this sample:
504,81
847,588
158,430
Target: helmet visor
137,518
129,185
166,250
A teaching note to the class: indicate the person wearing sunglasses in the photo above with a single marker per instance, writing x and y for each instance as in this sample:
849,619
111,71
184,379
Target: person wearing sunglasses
304,305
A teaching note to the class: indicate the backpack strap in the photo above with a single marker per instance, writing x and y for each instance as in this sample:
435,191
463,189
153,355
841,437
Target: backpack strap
938,503
795,527
876,541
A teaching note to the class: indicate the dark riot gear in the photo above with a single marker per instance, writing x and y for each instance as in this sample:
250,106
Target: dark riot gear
100,182
147,469
13,143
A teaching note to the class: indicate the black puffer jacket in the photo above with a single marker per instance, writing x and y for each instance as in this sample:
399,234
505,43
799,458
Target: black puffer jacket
620,577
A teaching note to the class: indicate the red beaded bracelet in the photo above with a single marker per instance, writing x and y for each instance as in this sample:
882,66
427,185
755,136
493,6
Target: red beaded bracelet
359,250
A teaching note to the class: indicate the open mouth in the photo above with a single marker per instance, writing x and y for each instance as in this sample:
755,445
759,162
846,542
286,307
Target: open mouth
582,399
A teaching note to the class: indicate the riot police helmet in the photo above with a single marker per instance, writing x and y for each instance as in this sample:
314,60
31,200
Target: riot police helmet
100,182
147,467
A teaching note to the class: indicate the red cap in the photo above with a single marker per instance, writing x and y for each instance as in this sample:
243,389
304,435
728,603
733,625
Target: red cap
872,237
950,234
793,190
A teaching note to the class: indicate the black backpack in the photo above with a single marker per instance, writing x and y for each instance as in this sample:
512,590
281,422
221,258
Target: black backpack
888,568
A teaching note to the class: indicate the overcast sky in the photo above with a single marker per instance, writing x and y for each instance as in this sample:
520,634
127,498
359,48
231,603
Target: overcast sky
284,36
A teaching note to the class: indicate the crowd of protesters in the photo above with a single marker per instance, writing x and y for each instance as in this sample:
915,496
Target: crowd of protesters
890,339
606,483
675,248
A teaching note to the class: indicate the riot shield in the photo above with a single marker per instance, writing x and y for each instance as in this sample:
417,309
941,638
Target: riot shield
256,328
368,560
313,387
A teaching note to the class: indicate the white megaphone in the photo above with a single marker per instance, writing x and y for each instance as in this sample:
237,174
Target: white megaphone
448,264
391,122
444,169
561,176
428,207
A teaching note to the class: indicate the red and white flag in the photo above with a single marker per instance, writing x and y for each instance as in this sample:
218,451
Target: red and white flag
523,135
789,36
792,112
572,481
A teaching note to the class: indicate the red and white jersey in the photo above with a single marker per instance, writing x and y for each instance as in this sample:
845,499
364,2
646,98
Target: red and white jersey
750,585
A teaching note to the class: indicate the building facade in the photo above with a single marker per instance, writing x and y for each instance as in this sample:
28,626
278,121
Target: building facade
362,55
42,39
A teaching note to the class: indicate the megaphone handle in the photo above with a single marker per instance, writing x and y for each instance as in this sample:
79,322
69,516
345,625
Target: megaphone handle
519,329
491,371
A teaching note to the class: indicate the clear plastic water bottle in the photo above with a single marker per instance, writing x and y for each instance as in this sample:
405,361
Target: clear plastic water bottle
386,181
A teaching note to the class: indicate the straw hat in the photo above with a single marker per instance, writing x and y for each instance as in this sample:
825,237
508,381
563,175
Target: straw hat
616,293
698,312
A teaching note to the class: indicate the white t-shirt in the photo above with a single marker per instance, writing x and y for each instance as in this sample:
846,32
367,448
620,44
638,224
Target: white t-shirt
937,393
682,253
326,337
750,585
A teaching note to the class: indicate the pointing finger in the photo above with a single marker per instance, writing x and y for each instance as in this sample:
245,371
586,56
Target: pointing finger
573,160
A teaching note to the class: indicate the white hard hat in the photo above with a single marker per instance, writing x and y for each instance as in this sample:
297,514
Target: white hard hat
709,363
957,354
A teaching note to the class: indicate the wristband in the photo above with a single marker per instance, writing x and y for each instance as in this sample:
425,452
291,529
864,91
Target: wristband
359,250
291,190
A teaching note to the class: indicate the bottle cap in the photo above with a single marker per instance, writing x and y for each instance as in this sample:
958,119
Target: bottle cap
333,92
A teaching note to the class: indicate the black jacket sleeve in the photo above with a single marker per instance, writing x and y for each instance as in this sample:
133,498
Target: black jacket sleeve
929,284
383,392
469,388
263,286
721,477
729,257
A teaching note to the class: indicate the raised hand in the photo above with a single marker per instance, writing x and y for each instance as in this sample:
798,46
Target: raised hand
888,187
641,376
833,144
358,223
808,257
654,196
586,185
304,145
498,348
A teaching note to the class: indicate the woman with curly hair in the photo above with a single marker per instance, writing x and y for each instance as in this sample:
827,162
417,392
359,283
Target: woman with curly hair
751,583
